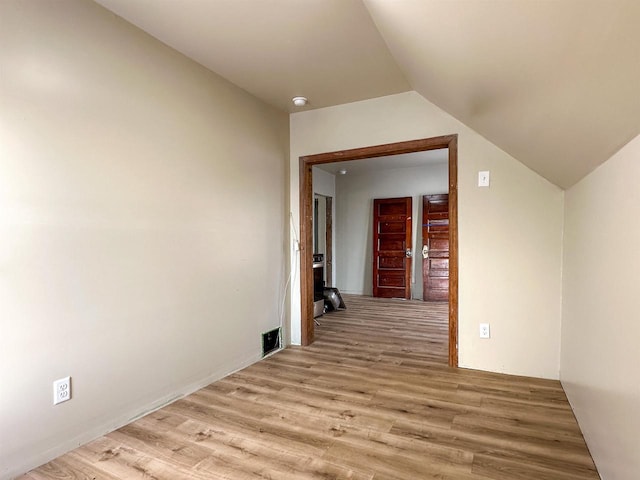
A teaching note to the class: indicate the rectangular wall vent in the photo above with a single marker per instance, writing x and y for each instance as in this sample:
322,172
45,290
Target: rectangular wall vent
270,341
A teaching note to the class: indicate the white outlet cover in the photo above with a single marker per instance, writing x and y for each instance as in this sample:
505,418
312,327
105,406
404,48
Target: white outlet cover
484,178
485,330
61,390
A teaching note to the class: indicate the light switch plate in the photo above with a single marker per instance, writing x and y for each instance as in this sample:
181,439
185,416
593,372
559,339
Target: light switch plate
483,178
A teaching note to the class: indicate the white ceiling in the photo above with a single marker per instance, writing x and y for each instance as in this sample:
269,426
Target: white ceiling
327,50
552,82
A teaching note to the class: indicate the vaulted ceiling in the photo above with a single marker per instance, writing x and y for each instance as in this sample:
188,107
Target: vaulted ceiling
555,83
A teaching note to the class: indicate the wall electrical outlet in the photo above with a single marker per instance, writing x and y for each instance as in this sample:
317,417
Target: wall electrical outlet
61,390
485,331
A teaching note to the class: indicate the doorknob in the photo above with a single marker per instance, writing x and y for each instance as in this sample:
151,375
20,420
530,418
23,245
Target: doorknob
425,251
408,253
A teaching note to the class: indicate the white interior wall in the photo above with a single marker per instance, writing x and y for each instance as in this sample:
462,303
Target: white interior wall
600,327
142,224
324,183
510,234
354,220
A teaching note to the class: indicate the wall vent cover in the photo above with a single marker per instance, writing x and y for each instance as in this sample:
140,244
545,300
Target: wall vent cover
270,341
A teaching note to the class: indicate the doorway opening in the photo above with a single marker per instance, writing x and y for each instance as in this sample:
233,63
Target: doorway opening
323,233
448,142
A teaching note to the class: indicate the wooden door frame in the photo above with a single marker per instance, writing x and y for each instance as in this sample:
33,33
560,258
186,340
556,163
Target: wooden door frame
306,223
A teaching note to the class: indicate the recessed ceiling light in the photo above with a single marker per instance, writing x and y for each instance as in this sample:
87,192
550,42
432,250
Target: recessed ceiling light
342,171
299,101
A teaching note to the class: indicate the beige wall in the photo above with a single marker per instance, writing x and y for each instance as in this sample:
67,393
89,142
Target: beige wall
510,234
354,217
142,225
600,324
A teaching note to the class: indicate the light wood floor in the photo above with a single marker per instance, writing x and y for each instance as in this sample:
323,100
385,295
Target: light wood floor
373,398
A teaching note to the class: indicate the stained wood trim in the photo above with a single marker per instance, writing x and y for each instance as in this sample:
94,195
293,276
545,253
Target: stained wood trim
410,146
306,251
306,226
453,251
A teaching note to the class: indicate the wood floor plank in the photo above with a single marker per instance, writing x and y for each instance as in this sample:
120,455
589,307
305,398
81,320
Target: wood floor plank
257,454
372,399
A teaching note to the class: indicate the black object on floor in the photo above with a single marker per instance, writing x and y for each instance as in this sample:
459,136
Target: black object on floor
332,299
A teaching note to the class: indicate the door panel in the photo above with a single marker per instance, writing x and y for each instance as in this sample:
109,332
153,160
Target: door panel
391,279
435,237
438,267
394,207
391,243
391,262
392,227
391,239
437,244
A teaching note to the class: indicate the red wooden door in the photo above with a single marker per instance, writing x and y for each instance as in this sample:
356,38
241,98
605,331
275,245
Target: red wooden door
392,247
435,248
